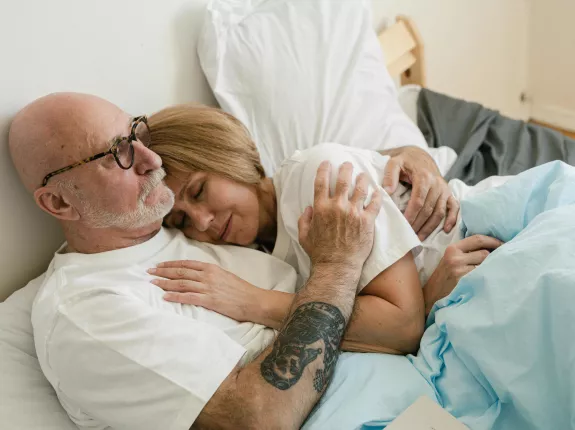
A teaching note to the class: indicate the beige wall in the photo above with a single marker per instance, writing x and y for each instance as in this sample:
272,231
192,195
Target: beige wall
552,34
476,50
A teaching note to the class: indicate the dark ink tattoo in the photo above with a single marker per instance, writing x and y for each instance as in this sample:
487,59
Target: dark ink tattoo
314,328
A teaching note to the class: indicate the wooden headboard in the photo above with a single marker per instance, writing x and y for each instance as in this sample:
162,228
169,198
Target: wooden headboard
404,54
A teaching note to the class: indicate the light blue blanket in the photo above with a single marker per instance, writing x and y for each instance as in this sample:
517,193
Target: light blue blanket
499,352
510,323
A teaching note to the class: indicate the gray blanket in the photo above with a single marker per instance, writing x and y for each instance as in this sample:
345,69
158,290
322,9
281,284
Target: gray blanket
486,142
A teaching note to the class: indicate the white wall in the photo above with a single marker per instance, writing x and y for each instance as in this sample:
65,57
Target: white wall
141,55
553,62
476,50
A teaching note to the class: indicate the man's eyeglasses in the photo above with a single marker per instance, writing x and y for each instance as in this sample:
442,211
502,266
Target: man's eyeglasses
122,148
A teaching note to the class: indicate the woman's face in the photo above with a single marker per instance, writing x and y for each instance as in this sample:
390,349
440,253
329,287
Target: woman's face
214,209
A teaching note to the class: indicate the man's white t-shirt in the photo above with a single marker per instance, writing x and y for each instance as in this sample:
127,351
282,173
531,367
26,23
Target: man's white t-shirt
294,186
121,357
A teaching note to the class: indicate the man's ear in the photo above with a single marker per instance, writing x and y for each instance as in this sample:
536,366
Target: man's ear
54,201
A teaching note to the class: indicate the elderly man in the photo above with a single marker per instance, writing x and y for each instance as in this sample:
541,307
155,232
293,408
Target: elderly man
116,353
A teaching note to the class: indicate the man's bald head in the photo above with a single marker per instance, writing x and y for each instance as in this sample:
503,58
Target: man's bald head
60,129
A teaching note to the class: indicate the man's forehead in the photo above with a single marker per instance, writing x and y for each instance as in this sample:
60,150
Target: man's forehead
107,127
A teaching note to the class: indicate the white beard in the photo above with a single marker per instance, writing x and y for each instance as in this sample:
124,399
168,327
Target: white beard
143,215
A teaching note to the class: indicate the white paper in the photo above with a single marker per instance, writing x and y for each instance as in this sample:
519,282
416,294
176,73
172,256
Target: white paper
425,414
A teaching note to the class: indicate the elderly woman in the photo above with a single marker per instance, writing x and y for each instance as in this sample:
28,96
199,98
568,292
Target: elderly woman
223,197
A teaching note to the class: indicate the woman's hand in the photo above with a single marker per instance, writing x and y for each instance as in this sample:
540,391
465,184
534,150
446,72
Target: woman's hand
459,259
431,199
207,285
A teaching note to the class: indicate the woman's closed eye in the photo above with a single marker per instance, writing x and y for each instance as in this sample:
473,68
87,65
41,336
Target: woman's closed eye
200,191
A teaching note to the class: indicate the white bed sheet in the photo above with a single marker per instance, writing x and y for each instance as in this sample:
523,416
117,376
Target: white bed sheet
27,400
408,96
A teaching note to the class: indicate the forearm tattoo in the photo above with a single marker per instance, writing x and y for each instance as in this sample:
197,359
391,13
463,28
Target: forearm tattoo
314,328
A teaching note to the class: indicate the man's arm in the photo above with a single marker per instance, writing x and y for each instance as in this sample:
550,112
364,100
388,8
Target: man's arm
279,389
431,200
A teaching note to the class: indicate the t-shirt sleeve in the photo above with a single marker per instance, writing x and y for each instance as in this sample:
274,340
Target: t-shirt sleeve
394,237
132,366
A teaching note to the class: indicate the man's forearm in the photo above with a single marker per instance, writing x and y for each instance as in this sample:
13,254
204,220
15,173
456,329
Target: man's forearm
376,325
280,387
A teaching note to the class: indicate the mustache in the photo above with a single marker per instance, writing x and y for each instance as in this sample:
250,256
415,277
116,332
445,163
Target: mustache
153,180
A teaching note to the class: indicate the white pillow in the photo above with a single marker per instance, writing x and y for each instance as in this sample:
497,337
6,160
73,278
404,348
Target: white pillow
298,73
27,400
407,97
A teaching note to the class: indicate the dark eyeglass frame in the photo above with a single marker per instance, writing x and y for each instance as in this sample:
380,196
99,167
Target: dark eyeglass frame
113,150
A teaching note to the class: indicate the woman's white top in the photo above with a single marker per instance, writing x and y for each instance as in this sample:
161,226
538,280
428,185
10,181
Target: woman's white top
294,186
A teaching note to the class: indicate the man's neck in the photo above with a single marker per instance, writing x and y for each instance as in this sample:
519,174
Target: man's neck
92,241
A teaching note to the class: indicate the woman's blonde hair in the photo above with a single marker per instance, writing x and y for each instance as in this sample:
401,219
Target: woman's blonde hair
202,138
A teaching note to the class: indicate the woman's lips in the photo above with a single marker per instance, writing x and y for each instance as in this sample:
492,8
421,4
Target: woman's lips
227,230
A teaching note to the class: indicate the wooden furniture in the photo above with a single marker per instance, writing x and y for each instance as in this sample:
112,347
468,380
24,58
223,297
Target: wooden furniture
404,52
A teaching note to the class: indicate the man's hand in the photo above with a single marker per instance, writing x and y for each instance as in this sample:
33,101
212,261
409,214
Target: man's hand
339,229
431,199
459,259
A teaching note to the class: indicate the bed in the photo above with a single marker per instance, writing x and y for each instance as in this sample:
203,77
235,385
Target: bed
27,399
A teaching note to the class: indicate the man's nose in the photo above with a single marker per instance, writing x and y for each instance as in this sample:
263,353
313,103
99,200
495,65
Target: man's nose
145,160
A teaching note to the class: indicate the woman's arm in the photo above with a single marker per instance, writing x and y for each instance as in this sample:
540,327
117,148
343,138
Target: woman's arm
388,316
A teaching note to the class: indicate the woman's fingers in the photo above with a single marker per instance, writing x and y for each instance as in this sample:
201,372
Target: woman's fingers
477,242
179,285
184,264
185,298
176,273
475,258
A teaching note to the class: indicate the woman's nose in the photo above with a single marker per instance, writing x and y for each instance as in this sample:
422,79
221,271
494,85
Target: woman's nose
202,218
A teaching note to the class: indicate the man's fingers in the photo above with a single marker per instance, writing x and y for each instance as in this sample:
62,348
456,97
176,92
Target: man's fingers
452,214
304,223
343,181
375,204
477,242
321,183
418,196
427,210
435,219
391,176
360,192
